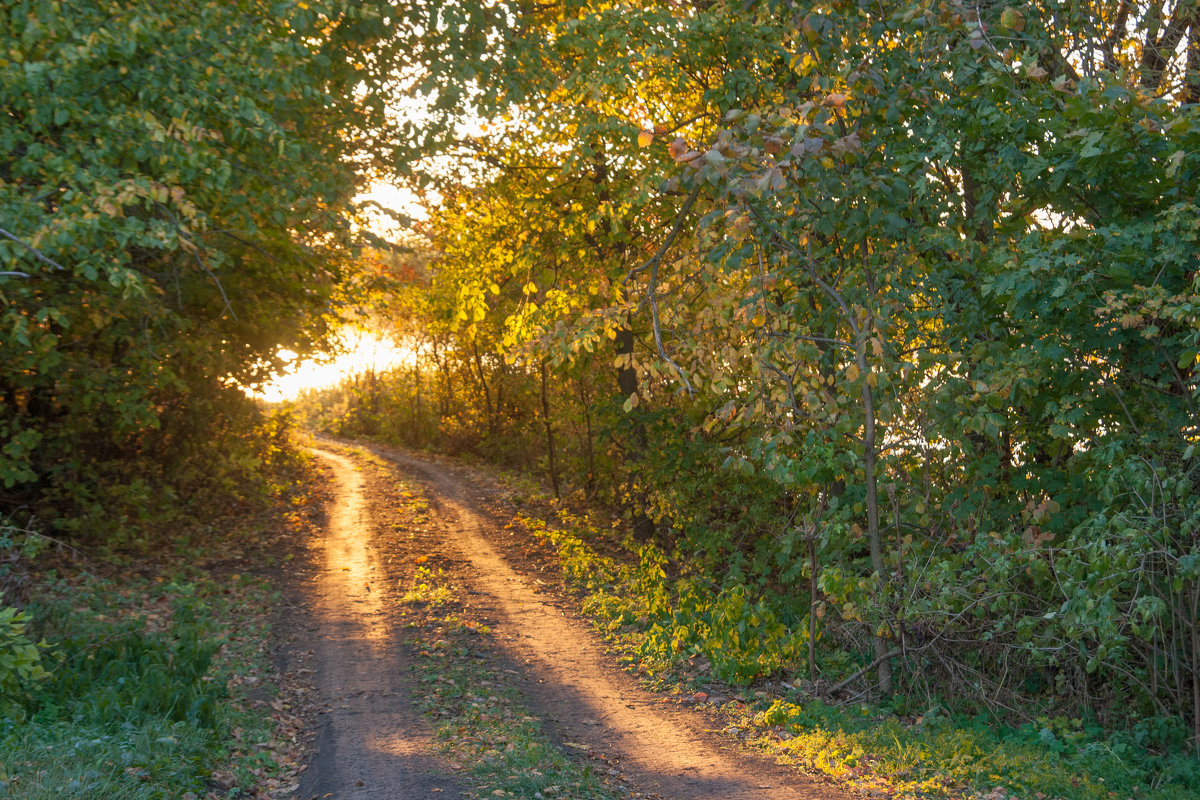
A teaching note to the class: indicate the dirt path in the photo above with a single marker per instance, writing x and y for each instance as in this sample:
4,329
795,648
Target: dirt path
372,742
371,733
665,751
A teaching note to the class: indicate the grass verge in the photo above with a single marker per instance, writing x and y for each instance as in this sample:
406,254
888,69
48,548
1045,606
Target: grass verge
160,682
479,718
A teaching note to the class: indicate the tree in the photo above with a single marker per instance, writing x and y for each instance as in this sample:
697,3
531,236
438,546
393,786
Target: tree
927,271
177,191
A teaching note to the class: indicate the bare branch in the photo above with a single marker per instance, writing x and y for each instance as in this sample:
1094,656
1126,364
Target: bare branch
38,254
653,262
837,687
1157,52
805,259
652,289
662,353
220,288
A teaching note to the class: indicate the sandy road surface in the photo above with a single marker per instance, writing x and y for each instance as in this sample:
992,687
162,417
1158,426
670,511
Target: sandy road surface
371,734
373,743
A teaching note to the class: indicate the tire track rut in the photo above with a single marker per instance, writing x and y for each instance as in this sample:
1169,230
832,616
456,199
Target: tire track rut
571,680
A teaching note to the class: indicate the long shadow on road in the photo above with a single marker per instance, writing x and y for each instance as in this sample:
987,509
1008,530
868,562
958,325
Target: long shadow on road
372,744
570,680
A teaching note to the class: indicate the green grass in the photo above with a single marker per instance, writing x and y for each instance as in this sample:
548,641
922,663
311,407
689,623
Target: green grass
160,678
144,697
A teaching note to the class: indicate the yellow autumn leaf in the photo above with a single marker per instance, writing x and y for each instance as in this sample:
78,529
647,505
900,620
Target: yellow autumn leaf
645,138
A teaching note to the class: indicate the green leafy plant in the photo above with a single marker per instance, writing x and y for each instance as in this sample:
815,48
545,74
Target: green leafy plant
20,659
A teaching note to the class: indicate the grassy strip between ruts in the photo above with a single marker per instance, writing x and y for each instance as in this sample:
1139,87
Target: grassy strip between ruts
161,683
479,718
924,755
481,723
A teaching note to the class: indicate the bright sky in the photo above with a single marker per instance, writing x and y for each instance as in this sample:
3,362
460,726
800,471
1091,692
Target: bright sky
395,198
363,352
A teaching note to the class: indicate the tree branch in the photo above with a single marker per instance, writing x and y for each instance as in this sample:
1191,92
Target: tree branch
38,254
837,687
652,288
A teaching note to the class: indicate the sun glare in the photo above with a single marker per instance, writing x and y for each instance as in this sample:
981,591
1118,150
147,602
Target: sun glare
361,352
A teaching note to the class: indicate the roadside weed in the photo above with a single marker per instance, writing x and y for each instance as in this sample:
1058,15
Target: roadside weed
428,589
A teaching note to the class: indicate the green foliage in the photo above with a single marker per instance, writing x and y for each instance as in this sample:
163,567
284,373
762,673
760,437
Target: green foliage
141,699
901,304
940,756
20,659
914,743
178,192
116,672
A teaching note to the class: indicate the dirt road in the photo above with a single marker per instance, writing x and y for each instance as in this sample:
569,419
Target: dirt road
372,742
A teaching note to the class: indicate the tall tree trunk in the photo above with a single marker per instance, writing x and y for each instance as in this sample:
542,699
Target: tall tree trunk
627,382
447,389
1195,635
874,535
416,403
477,359
589,446
812,605
550,454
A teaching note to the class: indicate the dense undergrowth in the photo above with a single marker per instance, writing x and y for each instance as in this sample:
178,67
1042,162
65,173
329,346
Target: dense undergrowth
704,644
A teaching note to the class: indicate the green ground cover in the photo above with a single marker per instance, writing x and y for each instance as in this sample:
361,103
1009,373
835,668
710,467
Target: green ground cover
153,679
482,723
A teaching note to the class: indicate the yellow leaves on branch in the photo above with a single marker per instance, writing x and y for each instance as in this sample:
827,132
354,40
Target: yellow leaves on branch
114,200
